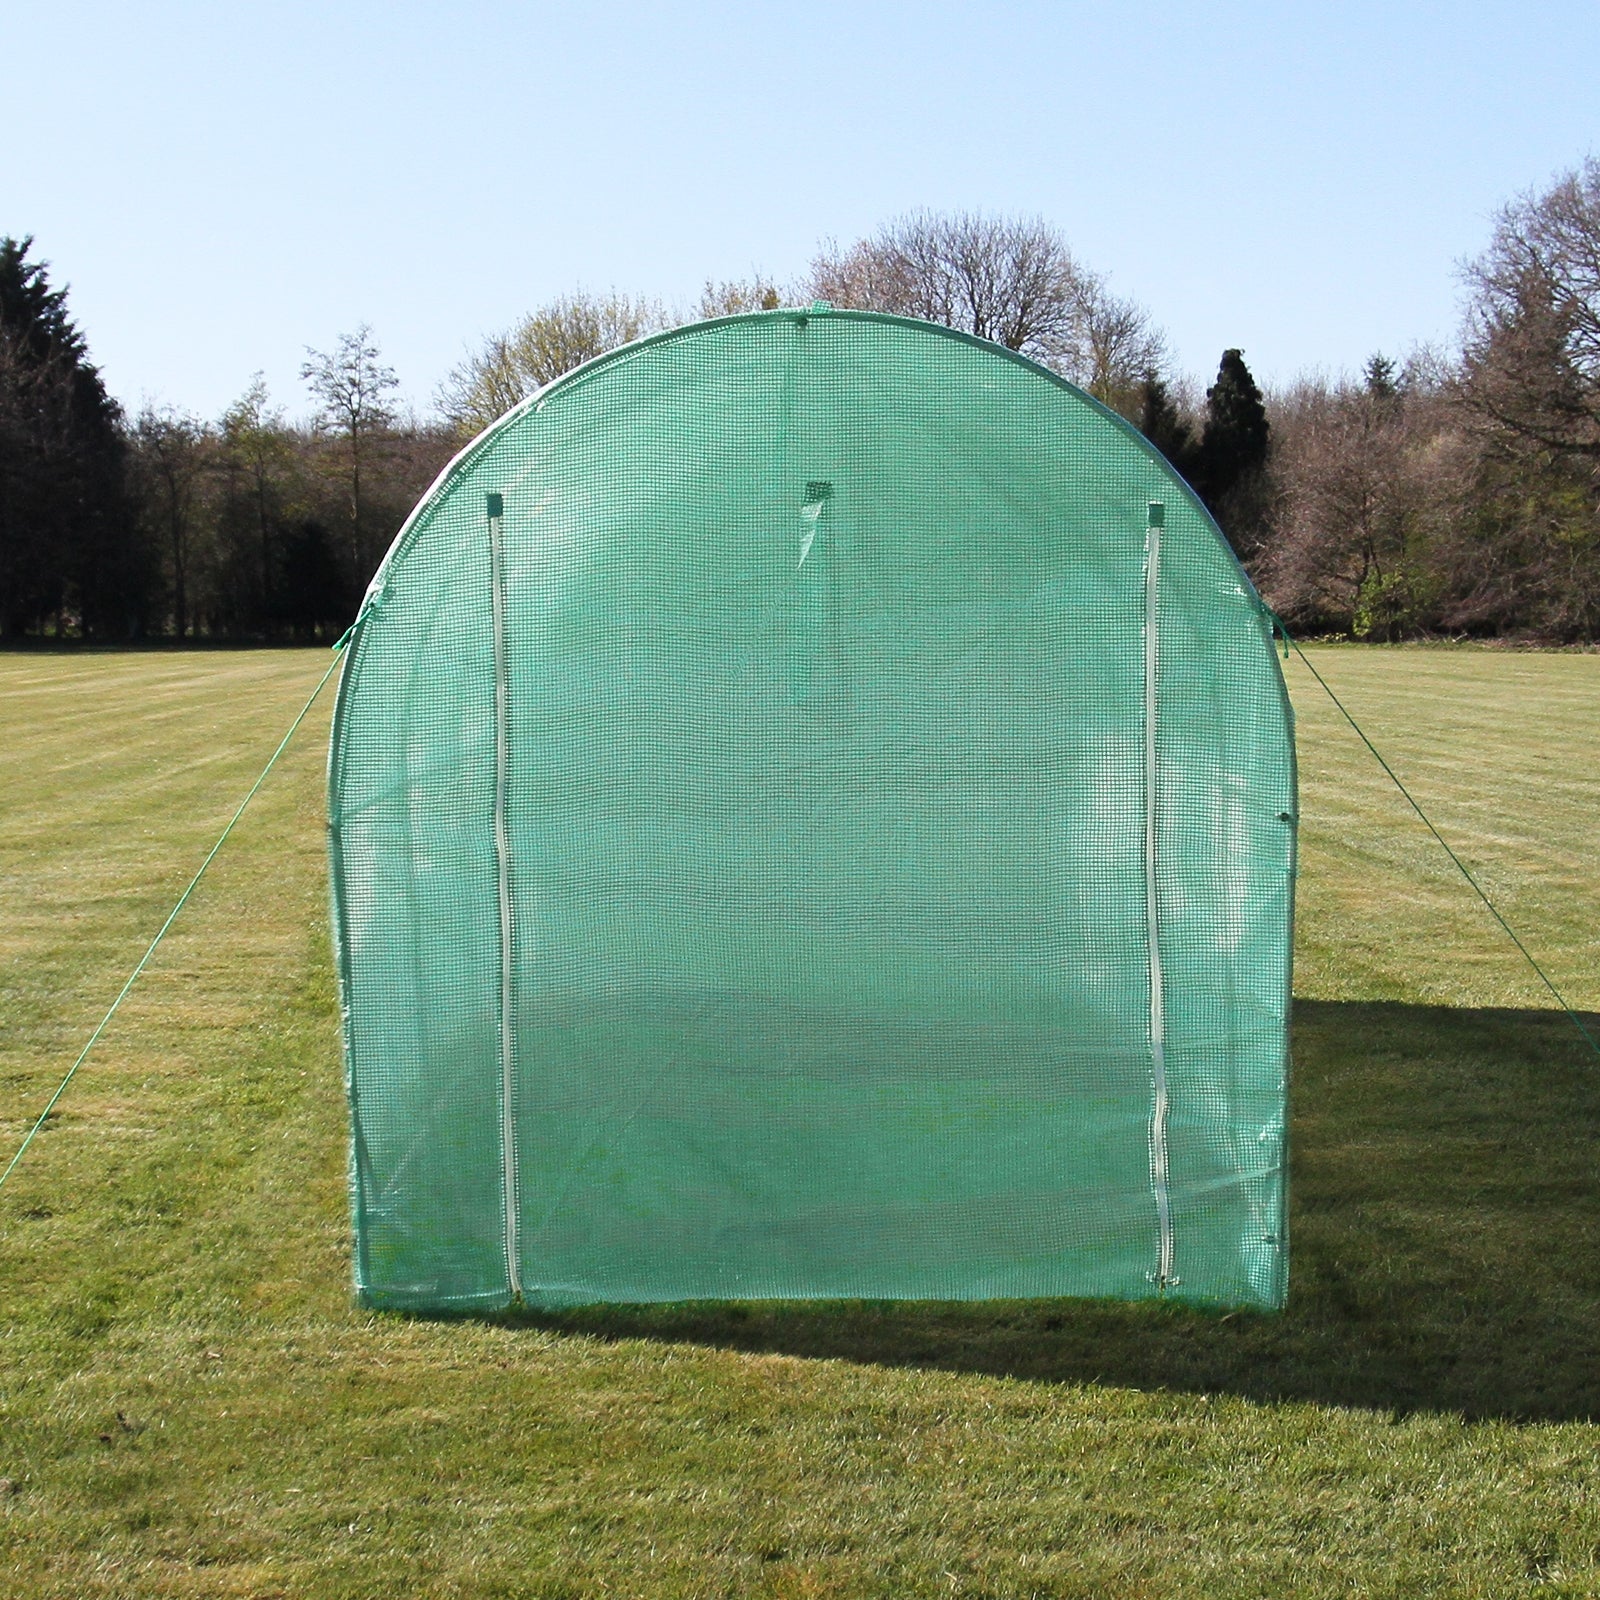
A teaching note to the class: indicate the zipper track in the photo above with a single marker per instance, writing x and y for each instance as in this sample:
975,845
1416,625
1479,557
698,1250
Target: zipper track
502,851
1158,1044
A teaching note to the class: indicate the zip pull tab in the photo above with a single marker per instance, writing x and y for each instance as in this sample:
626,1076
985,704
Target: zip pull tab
813,515
818,494
811,624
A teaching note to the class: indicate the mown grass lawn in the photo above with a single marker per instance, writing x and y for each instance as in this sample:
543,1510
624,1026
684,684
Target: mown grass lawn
190,1404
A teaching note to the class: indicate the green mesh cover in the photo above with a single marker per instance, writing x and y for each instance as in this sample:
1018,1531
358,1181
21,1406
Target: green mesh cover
804,825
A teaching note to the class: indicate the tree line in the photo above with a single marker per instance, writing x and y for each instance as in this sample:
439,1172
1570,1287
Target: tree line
1448,493
164,525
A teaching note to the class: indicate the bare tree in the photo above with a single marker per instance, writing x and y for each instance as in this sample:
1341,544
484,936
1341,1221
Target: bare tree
482,387
256,454
570,330
1529,387
1115,349
1365,480
1532,345
169,466
1010,279
352,387
737,296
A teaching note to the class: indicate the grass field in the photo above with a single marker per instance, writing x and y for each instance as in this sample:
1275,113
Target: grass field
190,1404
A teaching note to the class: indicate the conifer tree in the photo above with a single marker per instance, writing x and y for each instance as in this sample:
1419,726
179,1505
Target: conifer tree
1160,421
1229,463
66,543
1380,377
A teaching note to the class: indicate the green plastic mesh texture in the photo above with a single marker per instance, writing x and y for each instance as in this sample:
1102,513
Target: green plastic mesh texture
798,831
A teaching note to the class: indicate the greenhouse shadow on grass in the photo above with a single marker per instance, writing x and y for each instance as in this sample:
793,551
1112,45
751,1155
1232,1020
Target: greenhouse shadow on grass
1399,1306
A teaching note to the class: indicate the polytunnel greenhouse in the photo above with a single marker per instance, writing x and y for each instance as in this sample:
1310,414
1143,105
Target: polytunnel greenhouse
812,814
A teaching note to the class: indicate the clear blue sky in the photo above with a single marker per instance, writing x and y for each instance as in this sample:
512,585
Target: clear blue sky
222,185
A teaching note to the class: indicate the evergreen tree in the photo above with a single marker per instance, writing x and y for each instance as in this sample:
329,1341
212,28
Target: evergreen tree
1380,377
1228,468
67,548
1160,421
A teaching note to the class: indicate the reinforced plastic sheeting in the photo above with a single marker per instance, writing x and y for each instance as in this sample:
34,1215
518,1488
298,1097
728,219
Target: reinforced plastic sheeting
805,824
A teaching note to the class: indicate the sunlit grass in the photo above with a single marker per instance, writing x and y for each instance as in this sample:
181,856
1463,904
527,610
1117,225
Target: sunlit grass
190,1404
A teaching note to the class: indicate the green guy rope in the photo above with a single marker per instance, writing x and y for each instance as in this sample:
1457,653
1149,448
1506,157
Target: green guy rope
172,916
1427,822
